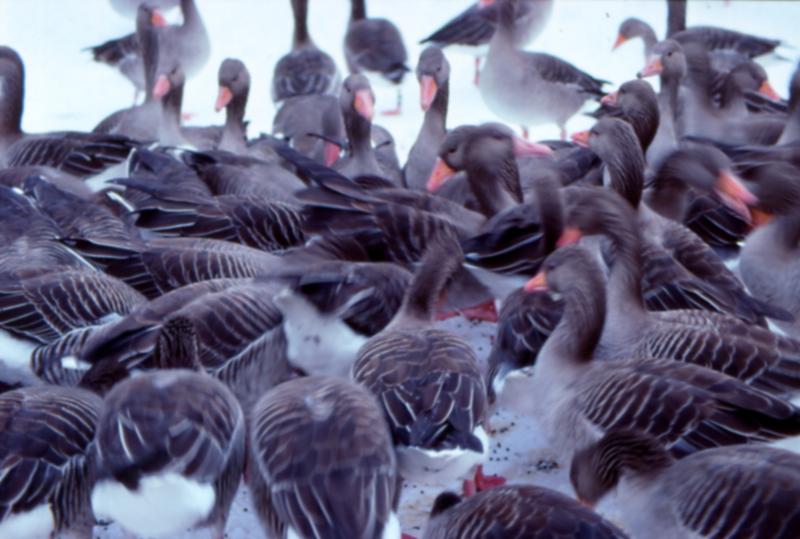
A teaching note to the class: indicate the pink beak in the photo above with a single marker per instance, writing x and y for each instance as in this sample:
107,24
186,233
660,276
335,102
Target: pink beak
524,148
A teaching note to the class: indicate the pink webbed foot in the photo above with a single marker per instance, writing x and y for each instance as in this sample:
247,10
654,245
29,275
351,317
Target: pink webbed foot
485,312
486,482
393,112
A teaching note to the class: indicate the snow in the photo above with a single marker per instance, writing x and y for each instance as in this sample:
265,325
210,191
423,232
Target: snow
66,90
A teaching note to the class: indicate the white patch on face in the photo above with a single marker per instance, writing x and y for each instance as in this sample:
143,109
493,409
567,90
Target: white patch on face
33,524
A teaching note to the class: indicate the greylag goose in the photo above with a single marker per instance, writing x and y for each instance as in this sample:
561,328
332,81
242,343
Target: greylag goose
474,27
687,407
428,380
313,125
76,153
45,444
717,341
234,89
768,262
433,74
306,70
529,88
735,491
186,45
375,46
322,462
515,512
637,103
170,447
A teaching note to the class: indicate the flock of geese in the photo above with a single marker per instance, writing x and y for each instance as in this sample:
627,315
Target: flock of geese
185,308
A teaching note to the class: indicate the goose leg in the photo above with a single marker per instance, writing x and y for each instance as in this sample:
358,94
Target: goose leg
397,110
482,482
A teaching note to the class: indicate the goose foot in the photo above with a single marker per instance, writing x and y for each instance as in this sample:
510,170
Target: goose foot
482,482
393,112
485,312
406,536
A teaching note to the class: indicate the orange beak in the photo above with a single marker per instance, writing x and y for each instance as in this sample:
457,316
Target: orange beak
767,90
538,283
427,91
524,148
620,40
161,87
441,173
734,194
485,3
331,153
653,67
364,104
581,138
157,19
610,99
570,236
760,218
223,98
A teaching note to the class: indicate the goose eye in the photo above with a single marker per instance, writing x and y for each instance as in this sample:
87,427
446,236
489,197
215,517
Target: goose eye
669,53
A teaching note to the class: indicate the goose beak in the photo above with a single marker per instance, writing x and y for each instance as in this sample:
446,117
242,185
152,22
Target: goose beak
767,90
485,3
569,236
620,40
760,218
581,138
364,104
223,98
610,99
428,90
586,503
653,67
524,148
734,194
161,87
538,283
441,173
331,153
157,19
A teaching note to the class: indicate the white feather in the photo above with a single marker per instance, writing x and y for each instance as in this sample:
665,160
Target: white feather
447,465
392,529
162,506
15,353
33,524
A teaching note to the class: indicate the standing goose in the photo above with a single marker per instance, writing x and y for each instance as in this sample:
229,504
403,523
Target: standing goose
186,45
322,462
735,491
515,512
375,46
234,89
531,88
433,74
473,28
745,351
46,436
170,447
428,380
687,407
306,70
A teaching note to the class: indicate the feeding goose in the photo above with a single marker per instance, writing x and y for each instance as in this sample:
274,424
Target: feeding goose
306,70
322,462
170,448
734,491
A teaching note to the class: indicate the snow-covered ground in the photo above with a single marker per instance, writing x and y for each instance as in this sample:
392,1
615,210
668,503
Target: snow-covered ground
66,90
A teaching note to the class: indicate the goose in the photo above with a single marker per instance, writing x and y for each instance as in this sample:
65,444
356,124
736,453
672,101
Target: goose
687,407
428,380
322,462
306,70
734,491
515,511
637,103
312,125
186,45
234,89
791,133
511,77
767,262
170,445
375,46
45,444
749,352
71,152
433,74
473,28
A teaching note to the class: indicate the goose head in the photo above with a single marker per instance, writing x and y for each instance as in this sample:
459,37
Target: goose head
667,59
433,74
234,83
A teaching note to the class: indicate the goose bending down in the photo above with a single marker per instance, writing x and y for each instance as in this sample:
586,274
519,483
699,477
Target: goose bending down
322,462
433,74
580,398
531,88
515,512
375,46
170,447
717,341
428,380
76,153
186,45
46,436
306,70
474,27
735,491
